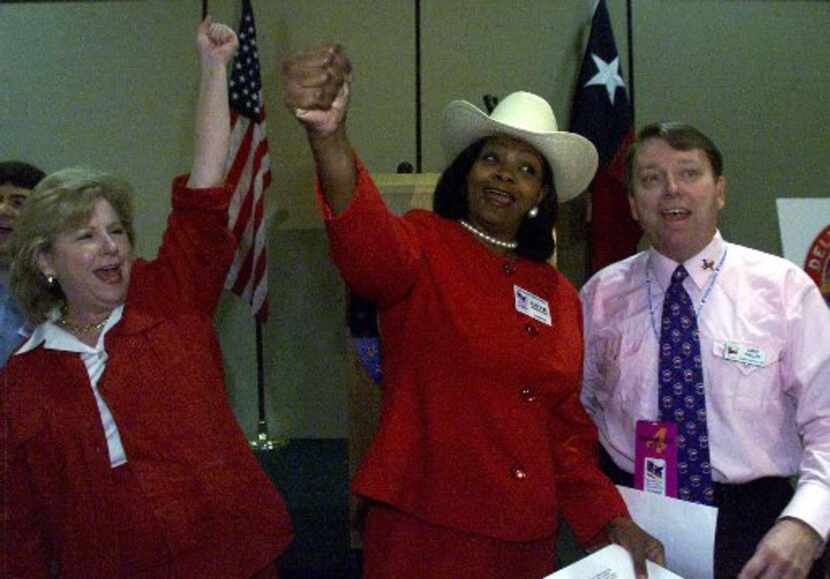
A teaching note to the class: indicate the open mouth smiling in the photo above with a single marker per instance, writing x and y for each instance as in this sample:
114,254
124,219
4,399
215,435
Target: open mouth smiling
498,197
110,274
675,213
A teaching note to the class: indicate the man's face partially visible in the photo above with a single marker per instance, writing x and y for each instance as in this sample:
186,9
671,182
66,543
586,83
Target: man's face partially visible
11,200
676,198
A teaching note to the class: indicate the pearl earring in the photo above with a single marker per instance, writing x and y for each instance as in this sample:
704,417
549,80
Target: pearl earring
534,211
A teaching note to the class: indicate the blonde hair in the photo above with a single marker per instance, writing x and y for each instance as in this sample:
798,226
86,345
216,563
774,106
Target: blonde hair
61,202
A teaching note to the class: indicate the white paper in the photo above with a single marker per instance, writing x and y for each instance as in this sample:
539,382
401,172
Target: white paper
611,562
687,530
800,221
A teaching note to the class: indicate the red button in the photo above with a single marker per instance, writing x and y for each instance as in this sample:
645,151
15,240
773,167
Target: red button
518,473
531,330
528,393
508,268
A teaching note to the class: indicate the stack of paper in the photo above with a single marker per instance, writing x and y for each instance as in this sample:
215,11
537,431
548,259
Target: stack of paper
687,531
611,562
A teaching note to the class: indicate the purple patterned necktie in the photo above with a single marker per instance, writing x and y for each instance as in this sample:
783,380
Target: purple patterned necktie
682,396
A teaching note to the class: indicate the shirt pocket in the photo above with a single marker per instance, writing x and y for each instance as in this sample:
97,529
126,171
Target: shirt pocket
749,388
620,368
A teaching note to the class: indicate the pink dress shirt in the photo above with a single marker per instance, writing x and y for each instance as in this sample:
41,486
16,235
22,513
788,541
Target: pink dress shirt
767,419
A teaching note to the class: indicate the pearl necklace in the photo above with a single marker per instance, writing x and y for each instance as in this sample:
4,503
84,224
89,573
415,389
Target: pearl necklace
489,239
82,328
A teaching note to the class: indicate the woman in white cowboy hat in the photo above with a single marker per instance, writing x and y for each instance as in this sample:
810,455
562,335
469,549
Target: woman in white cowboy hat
482,442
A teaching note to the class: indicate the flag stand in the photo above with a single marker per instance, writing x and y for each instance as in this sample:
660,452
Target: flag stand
263,442
249,153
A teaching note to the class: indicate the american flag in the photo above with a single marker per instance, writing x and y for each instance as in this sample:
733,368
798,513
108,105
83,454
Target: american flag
248,172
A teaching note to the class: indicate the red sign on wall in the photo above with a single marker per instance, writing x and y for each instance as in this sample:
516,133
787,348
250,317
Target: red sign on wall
817,262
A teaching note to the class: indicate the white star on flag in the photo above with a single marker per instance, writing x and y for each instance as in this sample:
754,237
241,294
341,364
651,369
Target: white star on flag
608,75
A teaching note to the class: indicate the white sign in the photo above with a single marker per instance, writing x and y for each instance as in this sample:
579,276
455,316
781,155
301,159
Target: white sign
805,237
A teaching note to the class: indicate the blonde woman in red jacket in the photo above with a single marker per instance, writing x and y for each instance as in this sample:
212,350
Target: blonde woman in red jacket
482,441
121,457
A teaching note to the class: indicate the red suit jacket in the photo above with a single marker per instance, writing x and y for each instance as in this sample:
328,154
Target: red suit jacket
481,426
164,383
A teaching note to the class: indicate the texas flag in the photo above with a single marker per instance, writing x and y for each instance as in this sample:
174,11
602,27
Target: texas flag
603,114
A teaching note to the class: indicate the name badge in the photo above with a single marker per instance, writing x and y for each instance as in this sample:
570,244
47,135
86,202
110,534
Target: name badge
532,305
743,353
655,457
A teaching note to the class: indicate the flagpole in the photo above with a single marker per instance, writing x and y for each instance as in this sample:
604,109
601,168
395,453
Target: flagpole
260,375
418,163
589,230
263,441
630,34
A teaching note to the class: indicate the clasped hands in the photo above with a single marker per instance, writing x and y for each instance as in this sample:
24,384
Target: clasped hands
316,88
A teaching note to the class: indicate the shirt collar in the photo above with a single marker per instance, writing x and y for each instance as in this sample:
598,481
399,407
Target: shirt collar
54,337
699,266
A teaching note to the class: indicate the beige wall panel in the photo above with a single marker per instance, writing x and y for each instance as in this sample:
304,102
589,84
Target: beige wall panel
754,76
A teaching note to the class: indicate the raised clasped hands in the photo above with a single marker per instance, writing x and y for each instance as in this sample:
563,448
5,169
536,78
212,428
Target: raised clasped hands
316,86
216,43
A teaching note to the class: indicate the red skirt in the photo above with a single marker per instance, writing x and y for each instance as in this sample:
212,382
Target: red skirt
396,544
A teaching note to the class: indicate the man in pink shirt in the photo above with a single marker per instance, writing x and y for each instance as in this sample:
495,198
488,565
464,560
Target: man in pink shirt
759,413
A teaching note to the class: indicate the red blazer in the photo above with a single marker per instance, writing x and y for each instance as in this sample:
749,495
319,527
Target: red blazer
164,383
481,426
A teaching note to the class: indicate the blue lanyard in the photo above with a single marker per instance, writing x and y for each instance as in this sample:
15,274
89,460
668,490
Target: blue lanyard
706,291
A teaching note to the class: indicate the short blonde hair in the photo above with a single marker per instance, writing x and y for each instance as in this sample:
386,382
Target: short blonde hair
61,202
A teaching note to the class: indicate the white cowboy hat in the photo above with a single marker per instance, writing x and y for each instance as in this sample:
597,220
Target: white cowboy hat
528,117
